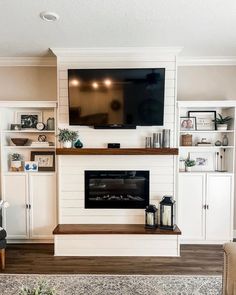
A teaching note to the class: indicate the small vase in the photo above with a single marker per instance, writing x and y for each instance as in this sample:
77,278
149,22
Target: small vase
67,144
222,127
225,140
188,169
78,144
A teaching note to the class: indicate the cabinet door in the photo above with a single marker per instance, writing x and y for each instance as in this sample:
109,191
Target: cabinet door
219,212
43,205
15,191
191,199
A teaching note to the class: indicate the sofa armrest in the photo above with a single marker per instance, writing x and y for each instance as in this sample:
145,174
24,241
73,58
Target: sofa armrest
229,268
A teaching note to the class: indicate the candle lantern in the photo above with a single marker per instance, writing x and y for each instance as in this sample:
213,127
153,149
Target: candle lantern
151,216
167,213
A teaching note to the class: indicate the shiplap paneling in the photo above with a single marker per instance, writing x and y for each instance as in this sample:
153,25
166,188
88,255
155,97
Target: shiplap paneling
71,168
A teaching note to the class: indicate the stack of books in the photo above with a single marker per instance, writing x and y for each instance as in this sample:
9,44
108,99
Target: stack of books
40,144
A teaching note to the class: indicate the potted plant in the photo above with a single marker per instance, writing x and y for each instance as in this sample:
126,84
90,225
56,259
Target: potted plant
189,164
67,137
40,289
16,161
222,122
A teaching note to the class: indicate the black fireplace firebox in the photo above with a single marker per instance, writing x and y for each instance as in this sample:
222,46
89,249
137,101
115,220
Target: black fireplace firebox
116,189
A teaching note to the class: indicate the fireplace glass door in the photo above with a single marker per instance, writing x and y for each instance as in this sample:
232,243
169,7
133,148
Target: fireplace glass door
116,189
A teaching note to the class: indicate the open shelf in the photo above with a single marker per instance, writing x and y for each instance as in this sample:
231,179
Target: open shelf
27,147
207,131
28,131
207,147
122,151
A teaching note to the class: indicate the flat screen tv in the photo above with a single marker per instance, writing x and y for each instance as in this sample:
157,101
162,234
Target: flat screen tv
116,98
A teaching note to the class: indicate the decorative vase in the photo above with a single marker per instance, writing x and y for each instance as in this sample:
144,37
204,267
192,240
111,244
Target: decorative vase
188,169
225,140
50,124
67,144
222,127
78,144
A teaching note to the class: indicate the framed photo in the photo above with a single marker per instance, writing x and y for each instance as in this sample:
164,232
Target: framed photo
28,120
45,160
31,166
204,119
16,127
187,123
204,161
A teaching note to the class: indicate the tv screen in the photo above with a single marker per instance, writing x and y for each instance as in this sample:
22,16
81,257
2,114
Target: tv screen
116,97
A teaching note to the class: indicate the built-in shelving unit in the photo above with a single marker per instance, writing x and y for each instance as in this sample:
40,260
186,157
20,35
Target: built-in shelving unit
32,195
226,108
206,193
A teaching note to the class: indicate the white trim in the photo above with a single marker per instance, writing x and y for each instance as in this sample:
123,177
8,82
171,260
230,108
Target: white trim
129,53
27,61
234,234
207,61
206,103
28,104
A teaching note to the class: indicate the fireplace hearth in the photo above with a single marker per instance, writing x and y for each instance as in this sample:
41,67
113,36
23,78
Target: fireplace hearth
116,189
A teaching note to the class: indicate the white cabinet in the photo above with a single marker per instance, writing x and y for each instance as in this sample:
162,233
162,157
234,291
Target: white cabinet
205,207
15,191
32,211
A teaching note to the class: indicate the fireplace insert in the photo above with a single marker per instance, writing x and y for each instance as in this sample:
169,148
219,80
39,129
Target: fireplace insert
116,189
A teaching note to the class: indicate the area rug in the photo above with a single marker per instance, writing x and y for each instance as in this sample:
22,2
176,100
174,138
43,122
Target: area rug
116,284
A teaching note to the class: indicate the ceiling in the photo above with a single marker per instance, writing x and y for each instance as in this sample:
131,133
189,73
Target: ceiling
203,27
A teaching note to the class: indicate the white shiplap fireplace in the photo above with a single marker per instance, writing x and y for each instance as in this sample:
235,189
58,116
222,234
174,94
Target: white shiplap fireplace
71,168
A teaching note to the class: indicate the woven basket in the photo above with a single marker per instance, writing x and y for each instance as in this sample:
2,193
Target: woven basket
187,140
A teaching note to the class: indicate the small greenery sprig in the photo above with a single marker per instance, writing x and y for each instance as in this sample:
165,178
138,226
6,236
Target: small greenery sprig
16,157
222,120
189,163
40,289
67,135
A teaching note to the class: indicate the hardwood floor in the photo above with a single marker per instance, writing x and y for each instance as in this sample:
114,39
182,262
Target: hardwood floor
38,258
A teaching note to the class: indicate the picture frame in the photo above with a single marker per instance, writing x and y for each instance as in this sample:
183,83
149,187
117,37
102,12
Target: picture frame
187,123
45,159
204,161
15,127
204,120
28,120
31,166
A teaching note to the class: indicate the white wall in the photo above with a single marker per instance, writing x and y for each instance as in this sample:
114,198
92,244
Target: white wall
28,83
206,83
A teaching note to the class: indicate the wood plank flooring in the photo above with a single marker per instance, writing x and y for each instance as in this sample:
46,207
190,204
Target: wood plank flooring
38,258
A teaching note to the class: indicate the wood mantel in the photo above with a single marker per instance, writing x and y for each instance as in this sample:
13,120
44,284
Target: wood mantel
121,151
111,229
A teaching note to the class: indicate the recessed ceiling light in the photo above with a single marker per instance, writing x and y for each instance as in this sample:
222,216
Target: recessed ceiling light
49,16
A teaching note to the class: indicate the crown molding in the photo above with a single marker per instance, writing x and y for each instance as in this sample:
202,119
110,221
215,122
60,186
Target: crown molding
207,61
142,53
27,61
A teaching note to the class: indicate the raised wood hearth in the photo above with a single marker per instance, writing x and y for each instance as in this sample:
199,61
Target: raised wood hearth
121,151
114,240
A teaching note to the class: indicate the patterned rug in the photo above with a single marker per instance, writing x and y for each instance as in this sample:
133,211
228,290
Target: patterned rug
115,284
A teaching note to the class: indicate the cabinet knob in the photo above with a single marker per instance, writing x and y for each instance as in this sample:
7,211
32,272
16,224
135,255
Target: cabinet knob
204,207
26,206
207,206
29,206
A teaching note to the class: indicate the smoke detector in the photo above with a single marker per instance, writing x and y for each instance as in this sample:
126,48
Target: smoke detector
49,16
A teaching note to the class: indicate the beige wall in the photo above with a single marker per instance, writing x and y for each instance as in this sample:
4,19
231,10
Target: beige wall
28,83
206,83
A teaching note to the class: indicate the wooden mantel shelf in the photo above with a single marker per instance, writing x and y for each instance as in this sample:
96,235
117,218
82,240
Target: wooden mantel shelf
121,151
111,229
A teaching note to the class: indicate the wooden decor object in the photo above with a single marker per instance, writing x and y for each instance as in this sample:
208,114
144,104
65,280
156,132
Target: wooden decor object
187,140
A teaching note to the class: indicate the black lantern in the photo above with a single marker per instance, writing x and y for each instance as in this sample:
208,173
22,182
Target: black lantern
151,216
167,213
